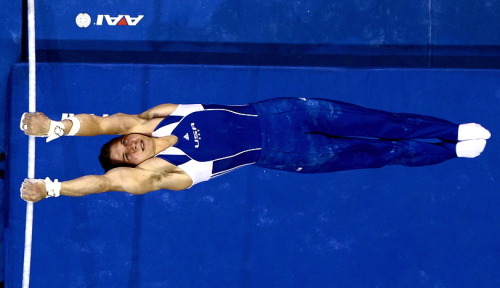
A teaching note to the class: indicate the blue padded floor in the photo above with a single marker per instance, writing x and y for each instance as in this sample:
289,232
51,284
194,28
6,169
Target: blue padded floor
433,226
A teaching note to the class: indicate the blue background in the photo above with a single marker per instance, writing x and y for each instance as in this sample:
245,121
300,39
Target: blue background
391,227
367,33
431,226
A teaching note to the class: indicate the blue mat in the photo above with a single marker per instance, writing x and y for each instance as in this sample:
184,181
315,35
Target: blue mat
10,43
431,226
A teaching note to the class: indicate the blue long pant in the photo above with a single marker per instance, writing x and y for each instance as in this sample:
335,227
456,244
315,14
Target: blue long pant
320,135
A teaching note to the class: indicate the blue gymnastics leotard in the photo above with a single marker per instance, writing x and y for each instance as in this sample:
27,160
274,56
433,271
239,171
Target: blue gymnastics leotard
213,139
301,135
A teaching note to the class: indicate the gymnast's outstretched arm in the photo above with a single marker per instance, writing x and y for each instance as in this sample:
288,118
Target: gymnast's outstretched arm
139,180
38,124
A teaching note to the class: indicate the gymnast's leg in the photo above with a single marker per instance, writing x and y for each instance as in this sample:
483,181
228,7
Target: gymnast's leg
297,127
348,120
317,153
335,118
351,154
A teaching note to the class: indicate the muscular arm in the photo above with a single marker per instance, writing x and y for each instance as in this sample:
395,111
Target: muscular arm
131,180
91,125
139,180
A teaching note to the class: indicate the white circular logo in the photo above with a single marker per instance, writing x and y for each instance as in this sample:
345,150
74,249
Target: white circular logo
83,20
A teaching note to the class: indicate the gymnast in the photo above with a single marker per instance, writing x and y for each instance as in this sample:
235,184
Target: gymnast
174,147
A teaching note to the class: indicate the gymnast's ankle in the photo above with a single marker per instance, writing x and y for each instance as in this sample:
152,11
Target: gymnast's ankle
471,131
470,148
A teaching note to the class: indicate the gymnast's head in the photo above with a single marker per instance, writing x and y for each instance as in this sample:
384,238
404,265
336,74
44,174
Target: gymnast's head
126,151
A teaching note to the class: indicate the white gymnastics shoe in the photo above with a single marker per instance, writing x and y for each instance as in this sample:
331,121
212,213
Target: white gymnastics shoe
471,131
470,148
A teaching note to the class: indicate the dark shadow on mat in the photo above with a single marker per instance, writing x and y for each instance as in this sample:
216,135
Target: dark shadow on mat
270,54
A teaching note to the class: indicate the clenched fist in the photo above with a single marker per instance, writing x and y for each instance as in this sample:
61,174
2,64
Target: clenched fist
35,124
33,190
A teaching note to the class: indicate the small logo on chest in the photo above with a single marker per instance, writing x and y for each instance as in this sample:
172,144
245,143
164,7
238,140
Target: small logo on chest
196,135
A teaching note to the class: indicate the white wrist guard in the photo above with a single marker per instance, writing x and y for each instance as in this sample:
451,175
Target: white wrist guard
53,188
56,130
76,126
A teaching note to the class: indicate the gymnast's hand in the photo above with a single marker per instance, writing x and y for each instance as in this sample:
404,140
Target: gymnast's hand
35,124
33,190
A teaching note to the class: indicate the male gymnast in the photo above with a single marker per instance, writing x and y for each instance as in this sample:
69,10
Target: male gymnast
174,147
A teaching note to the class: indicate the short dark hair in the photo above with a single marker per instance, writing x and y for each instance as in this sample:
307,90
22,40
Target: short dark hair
105,157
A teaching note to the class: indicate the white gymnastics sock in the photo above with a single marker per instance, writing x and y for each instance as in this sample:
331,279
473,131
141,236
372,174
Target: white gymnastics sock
471,131
470,148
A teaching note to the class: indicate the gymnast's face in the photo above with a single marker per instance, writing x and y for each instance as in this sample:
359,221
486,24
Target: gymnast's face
132,149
